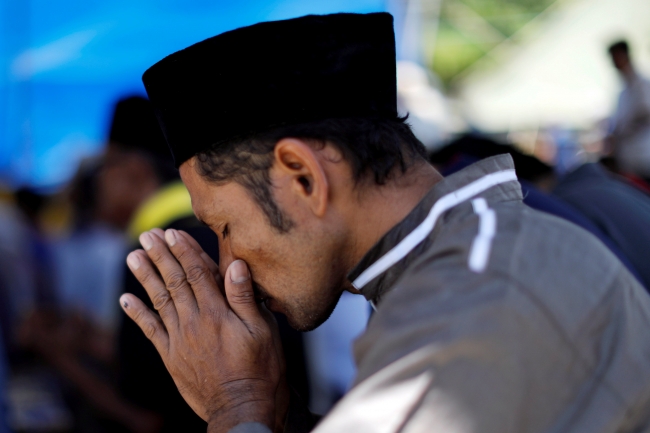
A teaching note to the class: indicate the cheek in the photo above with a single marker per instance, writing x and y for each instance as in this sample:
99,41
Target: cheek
245,244
269,262
257,253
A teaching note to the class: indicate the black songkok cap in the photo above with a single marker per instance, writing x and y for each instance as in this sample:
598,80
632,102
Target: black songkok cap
274,74
134,126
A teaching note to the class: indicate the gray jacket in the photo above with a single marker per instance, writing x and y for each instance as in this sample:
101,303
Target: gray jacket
493,317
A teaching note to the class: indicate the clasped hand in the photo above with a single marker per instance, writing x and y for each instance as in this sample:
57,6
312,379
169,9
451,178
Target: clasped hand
221,347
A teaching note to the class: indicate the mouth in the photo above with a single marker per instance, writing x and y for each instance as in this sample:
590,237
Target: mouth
262,297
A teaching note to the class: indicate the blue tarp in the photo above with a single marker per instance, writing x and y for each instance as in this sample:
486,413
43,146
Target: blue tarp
64,63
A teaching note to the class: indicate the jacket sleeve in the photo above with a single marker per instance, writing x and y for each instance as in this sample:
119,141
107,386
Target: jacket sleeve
250,427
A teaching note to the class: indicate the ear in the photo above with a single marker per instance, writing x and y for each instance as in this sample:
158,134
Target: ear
298,161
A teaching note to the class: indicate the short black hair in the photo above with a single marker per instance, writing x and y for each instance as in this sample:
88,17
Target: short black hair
374,148
619,47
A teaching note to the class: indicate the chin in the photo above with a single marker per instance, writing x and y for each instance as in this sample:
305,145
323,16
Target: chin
307,319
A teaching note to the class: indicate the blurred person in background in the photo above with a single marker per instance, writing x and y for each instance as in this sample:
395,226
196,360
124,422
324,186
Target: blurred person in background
14,277
134,168
602,203
80,340
537,179
31,203
618,209
629,139
36,393
88,261
4,409
17,272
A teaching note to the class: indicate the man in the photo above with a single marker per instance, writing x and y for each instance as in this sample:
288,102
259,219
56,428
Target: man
630,137
490,316
135,167
619,209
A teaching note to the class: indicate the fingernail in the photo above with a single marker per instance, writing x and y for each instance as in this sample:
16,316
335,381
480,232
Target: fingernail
133,261
146,241
171,237
123,302
239,272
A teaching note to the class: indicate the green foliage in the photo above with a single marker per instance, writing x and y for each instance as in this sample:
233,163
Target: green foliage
508,16
468,29
454,52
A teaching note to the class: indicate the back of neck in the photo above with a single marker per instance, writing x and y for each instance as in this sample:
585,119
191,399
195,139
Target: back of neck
381,207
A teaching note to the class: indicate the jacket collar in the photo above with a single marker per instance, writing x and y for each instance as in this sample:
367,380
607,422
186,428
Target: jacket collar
493,178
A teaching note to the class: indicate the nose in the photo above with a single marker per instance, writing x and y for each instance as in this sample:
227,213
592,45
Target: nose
225,257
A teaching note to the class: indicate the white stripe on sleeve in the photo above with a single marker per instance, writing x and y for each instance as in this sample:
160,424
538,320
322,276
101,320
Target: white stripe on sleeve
487,228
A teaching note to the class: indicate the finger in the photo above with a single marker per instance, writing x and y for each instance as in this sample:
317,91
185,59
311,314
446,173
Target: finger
172,274
214,268
197,272
144,271
193,242
239,291
148,321
158,232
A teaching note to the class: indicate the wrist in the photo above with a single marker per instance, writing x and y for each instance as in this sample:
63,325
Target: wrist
224,419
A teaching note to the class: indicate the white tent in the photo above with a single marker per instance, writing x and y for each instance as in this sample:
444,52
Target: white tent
557,71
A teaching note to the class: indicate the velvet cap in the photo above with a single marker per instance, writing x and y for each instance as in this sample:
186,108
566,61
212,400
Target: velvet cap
273,74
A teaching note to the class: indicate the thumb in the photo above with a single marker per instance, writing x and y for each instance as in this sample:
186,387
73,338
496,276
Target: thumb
239,292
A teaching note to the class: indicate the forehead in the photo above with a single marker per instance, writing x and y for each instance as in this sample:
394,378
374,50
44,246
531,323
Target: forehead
211,202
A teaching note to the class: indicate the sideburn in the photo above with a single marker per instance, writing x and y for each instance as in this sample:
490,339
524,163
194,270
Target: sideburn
258,184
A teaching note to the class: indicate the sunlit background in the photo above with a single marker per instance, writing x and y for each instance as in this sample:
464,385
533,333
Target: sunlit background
534,74
64,64
522,68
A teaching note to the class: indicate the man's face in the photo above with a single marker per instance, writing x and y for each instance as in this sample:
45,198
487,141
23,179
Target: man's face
125,180
621,60
299,273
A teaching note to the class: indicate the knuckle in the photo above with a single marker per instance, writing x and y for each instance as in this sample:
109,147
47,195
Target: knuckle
196,274
150,330
180,297
160,300
176,281
145,278
214,314
242,297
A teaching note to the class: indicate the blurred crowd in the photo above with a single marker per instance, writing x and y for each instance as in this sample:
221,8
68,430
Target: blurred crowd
70,361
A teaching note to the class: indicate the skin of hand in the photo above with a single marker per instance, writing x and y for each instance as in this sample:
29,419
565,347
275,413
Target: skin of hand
220,346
